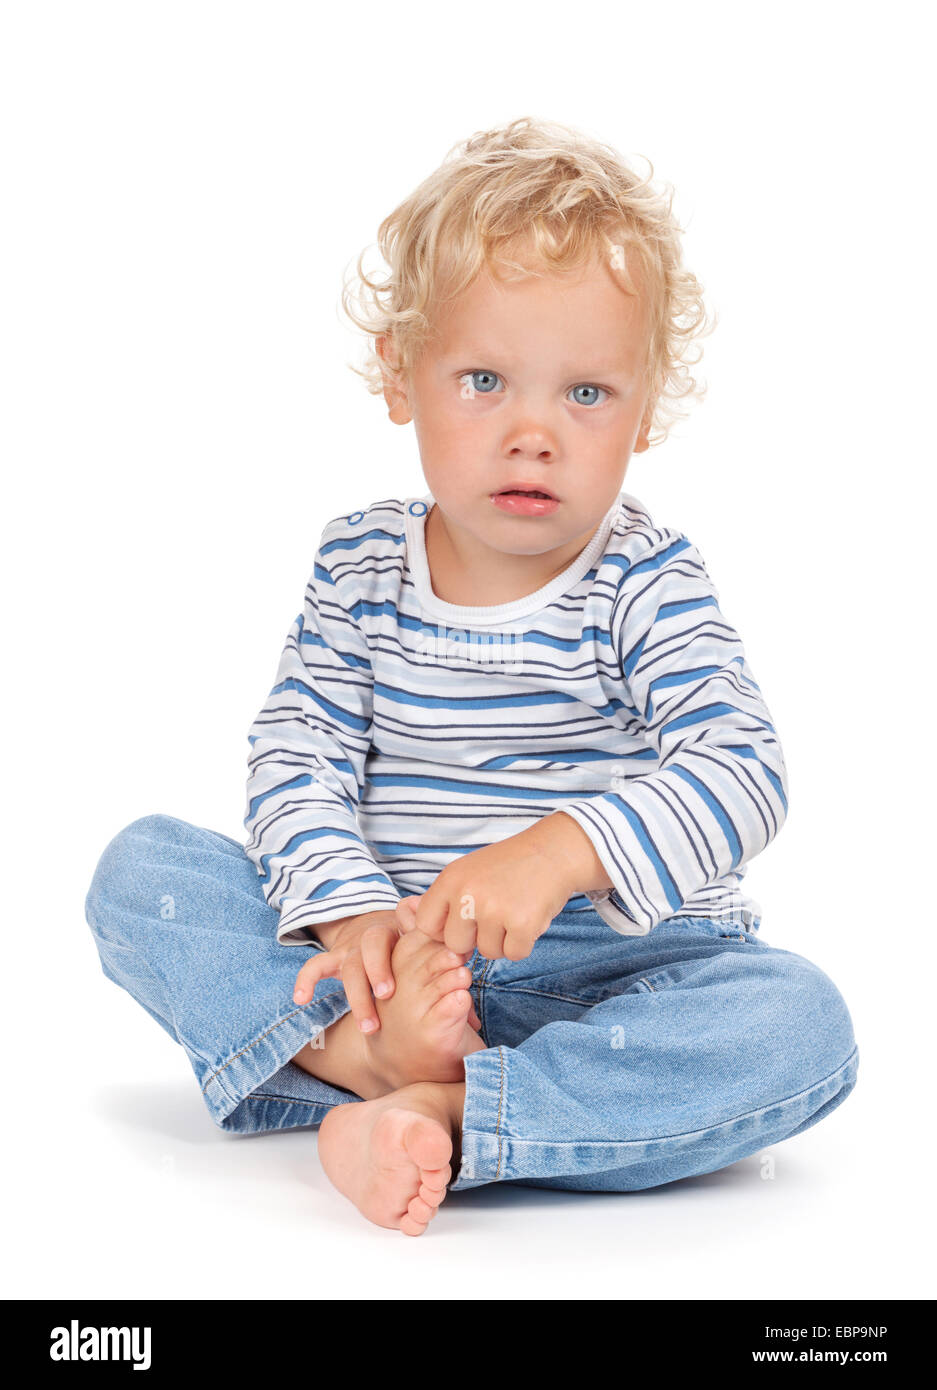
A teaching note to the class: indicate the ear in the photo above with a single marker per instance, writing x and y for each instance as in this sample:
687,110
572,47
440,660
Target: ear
642,443
398,405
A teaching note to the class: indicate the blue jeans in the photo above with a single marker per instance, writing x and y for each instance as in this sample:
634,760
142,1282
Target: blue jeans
612,1063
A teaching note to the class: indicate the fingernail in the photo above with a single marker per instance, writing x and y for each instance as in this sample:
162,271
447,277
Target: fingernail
381,989
368,1026
298,996
456,960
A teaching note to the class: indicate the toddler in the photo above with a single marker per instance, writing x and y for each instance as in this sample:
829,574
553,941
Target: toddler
514,762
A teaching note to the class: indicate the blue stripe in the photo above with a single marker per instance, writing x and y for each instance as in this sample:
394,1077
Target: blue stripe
664,877
343,716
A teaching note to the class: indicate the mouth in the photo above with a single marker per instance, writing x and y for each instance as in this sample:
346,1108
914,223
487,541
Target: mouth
523,500
520,490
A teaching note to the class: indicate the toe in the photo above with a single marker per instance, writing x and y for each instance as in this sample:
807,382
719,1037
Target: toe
427,1143
451,1010
409,945
431,1196
451,980
437,959
420,1210
436,1178
411,1227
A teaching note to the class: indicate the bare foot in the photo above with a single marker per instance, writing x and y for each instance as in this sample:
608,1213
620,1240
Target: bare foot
424,1032
393,1156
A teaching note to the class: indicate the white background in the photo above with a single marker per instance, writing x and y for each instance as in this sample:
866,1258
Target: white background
185,186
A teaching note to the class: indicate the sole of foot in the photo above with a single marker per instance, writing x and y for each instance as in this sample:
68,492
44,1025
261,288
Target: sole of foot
390,1158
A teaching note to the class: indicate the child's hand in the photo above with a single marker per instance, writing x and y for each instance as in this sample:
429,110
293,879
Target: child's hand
358,955
500,898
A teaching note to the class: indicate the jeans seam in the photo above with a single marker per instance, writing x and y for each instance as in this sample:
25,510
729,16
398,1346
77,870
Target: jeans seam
548,994
284,1100
479,985
249,1046
498,1122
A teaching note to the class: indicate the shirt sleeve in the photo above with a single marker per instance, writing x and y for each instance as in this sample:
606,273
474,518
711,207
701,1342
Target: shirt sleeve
718,792
306,766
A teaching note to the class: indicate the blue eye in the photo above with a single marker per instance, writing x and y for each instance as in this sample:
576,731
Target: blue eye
589,388
482,383
472,386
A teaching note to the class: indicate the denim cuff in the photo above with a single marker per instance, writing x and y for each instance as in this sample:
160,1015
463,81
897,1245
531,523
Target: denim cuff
257,1089
483,1119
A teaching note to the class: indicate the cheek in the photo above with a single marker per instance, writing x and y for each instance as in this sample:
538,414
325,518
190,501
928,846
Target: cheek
607,437
451,430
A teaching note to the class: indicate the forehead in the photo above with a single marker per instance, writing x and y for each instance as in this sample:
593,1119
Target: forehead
582,311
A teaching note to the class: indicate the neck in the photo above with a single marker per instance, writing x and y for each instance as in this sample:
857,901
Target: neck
466,572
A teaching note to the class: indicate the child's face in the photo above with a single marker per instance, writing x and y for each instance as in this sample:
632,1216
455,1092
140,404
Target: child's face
536,381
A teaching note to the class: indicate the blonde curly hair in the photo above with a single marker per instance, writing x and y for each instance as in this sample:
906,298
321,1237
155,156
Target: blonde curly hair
558,199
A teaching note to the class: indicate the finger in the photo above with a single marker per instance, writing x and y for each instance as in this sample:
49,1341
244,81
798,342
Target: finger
323,965
432,910
474,1020
460,933
491,942
517,945
358,993
406,912
377,944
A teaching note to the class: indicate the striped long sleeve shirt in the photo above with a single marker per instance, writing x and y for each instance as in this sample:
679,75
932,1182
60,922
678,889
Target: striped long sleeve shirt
403,731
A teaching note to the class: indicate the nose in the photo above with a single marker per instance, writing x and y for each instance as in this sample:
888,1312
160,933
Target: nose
532,441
